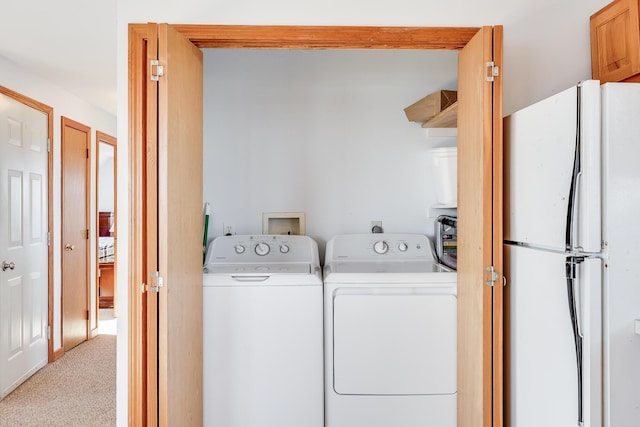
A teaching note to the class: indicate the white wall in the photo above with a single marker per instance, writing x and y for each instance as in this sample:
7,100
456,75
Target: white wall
546,42
319,132
546,49
68,105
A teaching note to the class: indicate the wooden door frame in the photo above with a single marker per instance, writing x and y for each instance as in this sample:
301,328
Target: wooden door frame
240,36
67,122
498,232
52,356
111,140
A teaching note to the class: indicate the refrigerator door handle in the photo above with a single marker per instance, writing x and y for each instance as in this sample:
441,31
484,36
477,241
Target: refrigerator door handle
570,232
571,267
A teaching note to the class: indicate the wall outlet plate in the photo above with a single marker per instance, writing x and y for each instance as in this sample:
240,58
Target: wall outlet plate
376,227
228,229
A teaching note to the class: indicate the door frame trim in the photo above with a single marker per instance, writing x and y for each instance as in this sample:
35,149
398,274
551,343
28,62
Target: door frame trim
326,37
64,122
237,36
37,105
137,309
497,233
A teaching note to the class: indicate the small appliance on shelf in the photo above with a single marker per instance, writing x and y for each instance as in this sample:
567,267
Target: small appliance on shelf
446,232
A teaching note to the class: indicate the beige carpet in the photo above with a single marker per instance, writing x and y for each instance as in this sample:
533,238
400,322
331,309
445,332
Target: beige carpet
78,389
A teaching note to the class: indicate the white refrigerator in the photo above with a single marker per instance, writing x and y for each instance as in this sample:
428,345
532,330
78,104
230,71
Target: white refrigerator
572,259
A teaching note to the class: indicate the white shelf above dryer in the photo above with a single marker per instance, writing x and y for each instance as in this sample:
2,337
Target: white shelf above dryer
440,209
441,132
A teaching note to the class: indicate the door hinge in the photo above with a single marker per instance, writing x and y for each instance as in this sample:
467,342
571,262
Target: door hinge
48,145
144,288
86,234
48,332
157,282
157,70
493,71
491,276
48,238
87,315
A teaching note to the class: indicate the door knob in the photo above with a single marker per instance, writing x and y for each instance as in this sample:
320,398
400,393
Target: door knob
68,247
10,265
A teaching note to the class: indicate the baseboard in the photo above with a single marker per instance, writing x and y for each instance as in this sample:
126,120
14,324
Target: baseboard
58,354
23,378
94,333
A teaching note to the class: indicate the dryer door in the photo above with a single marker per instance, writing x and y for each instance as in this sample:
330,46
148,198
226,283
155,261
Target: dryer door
394,341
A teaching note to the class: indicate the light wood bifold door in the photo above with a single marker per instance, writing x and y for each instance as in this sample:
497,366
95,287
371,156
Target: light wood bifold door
480,324
167,238
180,230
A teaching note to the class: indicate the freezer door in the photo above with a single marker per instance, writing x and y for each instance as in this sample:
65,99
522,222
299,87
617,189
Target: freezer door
541,362
552,171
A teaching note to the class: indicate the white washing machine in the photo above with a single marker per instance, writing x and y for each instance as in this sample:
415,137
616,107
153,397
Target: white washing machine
263,333
390,333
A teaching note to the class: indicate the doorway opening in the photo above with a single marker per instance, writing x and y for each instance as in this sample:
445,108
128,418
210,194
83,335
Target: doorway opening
481,324
106,220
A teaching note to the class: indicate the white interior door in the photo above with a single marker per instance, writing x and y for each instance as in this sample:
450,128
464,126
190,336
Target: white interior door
23,242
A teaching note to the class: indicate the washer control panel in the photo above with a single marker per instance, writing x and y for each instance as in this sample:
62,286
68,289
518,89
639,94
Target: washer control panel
387,246
261,248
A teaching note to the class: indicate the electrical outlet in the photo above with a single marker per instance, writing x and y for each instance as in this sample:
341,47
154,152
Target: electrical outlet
228,229
376,226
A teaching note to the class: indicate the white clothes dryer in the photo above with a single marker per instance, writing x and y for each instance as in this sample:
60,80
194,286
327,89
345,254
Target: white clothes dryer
390,333
262,332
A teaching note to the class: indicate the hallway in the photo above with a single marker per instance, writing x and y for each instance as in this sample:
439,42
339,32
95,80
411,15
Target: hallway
78,390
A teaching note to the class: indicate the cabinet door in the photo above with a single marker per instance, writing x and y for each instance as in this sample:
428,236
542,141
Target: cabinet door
480,231
615,42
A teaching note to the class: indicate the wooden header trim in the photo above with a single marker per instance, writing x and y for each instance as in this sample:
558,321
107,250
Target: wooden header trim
310,37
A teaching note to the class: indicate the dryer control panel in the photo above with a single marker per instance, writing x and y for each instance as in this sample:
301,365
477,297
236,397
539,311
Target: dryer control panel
371,247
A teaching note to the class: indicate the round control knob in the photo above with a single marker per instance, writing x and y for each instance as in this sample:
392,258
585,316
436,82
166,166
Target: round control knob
402,247
262,249
239,249
284,249
380,247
